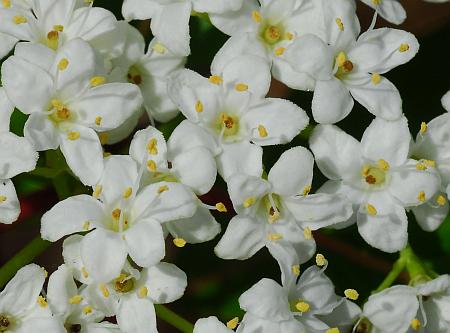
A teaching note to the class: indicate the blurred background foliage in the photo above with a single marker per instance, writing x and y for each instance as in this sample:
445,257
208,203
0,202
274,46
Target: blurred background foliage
215,284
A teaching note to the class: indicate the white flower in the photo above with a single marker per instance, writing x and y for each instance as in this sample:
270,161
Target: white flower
193,168
126,222
346,68
210,325
22,309
279,208
149,70
230,107
170,18
377,177
66,102
402,309
390,10
131,294
16,156
54,23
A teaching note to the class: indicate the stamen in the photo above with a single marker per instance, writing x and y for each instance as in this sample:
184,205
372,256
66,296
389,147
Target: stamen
403,48
84,272
221,207
151,165
98,121
306,190
256,16
97,191
63,63
76,299
97,81
215,79
303,307
233,323
371,210
19,19
262,131
248,202
179,242
376,78
321,260
143,292
86,225
87,309
273,237
241,87
351,294
423,128
296,270
73,135
415,324
441,200
383,165
2,199
280,51
421,196
42,302
162,189
340,24
159,48
127,193
307,233
104,290
333,330
199,107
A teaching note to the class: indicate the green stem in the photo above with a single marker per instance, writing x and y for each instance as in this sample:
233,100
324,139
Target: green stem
416,270
173,319
22,258
398,267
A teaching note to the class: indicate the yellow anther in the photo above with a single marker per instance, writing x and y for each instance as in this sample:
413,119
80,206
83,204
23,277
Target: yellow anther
162,189
104,289
341,59
2,198
423,127
84,272
151,165
52,39
302,306
159,48
221,207
76,299
289,36
87,309
73,135
143,292
383,164
63,63
97,81
116,214
421,196
429,163
233,323
274,215
376,2
104,138
421,167
371,210
333,330
296,270
241,87
45,272
280,51
441,200
179,242
256,16
199,107
262,131
127,192
42,302
57,104
403,47
6,3
86,225
340,24
307,233
351,294
106,154
376,78
321,260
215,79
248,202
97,191
98,120
152,146
59,28
415,324
19,19
274,237
306,190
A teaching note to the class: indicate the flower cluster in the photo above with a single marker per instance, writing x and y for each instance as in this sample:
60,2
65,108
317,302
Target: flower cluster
84,79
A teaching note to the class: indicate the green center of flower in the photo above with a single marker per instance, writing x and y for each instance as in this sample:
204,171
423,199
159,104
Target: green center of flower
345,66
299,306
272,205
228,123
124,283
118,222
5,322
59,112
374,175
272,34
134,75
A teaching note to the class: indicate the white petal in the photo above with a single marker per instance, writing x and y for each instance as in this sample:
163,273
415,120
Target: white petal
387,140
71,253
446,101
283,72
221,6
16,156
293,172
104,254
242,239
145,243
282,119
199,228
407,182
6,109
392,309
338,155
381,99
36,54
331,102
243,157
70,215
51,324
435,286
388,233
139,147
7,43
236,22
23,31
137,315
84,155
209,325
391,10
165,282
10,208
41,132
242,186
266,299
61,288
138,9
430,215
378,50
28,86
319,210
21,293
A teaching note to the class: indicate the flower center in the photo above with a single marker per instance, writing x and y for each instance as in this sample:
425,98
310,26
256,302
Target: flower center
272,34
73,328
227,123
345,66
299,306
374,175
272,206
52,38
134,75
60,111
119,223
5,322
124,283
